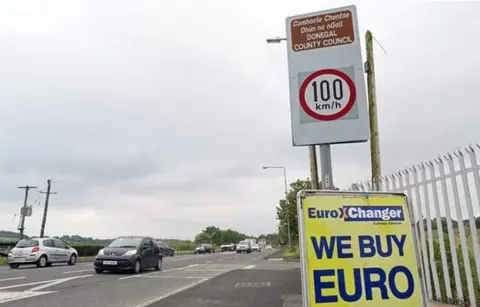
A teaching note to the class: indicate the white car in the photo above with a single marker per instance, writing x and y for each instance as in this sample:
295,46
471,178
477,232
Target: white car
256,248
42,252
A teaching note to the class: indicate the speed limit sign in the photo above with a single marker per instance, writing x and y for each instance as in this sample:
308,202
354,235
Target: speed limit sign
327,94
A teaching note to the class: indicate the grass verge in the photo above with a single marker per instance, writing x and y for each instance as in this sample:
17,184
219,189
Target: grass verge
292,254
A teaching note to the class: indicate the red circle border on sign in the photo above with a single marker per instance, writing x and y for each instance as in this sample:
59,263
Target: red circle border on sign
348,107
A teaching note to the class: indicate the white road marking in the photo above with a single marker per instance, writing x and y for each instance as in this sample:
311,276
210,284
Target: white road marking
78,271
156,272
173,277
51,281
27,284
249,267
6,297
13,278
59,281
161,297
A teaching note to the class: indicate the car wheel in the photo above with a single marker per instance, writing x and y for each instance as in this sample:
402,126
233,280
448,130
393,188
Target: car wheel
137,267
73,260
99,271
158,266
14,265
42,261
173,253
49,264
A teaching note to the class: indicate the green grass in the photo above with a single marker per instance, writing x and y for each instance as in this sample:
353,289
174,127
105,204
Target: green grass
292,254
3,260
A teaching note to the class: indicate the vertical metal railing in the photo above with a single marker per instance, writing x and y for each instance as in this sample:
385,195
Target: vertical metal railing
445,195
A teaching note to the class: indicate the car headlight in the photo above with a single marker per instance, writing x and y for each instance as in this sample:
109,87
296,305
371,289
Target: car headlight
100,252
130,253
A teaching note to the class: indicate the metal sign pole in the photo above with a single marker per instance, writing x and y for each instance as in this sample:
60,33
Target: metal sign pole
326,166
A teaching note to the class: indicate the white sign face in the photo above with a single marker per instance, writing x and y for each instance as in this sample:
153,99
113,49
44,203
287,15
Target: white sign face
327,86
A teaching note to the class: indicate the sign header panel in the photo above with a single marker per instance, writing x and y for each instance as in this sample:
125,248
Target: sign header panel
327,87
358,250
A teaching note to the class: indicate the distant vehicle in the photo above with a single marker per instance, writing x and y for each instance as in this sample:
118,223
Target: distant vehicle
165,248
256,248
268,247
227,247
204,248
244,247
132,254
41,251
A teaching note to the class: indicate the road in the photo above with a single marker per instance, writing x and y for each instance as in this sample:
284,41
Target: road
221,279
79,285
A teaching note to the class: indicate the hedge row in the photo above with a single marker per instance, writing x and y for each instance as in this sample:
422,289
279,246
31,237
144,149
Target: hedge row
87,250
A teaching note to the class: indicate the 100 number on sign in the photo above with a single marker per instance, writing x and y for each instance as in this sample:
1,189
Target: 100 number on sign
327,94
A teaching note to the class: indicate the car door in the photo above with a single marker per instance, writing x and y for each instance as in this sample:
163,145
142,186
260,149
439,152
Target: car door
50,250
156,252
62,250
146,250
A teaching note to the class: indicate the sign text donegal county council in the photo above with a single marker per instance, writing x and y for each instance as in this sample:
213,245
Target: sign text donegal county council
321,31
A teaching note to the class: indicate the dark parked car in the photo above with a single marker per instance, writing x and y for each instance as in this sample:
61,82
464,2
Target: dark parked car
129,254
204,248
165,248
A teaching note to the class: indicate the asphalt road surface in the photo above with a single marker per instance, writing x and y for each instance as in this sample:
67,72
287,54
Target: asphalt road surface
80,286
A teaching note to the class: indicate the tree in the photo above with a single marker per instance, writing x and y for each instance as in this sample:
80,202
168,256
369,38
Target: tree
217,236
271,238
287,210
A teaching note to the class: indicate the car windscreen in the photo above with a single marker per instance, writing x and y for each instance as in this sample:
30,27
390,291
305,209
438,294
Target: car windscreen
27,243
243,242
125,242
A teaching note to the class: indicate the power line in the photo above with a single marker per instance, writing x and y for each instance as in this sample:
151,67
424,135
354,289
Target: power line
45,209
23,211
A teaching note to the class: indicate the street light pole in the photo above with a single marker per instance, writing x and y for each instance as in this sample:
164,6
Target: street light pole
286,201
312,153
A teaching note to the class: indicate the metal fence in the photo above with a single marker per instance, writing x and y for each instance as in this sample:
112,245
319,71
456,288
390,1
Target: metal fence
445,197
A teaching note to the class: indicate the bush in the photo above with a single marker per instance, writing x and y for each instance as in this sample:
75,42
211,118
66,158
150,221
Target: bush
183,246
85,250
463,279
293,253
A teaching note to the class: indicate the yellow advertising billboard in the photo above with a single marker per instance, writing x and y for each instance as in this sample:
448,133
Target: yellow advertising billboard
358,250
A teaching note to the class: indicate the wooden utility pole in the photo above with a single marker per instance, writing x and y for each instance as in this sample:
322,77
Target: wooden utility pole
24,208
313,166
45,209
372,109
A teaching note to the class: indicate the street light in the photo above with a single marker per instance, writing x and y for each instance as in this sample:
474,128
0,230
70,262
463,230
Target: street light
311,148
286,200
275,40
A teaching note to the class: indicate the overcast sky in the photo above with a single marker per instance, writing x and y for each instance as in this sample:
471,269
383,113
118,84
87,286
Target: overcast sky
155,117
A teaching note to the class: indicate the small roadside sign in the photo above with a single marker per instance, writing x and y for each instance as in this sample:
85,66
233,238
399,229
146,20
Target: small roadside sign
358,249
327,86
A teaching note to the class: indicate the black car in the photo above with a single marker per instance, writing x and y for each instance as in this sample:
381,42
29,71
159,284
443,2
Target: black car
165,248
129,254
204,248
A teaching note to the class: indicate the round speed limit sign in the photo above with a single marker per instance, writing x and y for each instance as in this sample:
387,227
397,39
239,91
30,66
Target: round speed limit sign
327,94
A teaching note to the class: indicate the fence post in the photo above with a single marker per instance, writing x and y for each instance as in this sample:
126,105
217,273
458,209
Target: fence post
461,229
421,230
451,234
443,254
431,251
471,214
